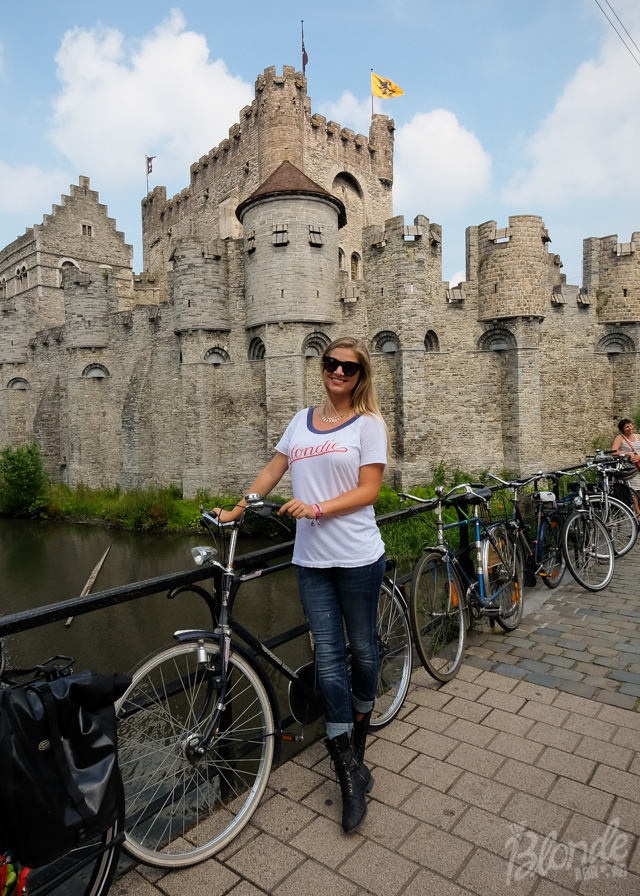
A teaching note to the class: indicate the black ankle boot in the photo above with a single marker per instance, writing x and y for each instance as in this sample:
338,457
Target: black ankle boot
359,740
353,783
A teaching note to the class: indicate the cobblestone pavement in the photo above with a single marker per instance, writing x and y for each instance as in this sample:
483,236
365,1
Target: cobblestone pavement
581,642
521,774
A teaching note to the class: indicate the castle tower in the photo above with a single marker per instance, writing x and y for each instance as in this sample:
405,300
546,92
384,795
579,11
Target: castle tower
87,303
513,269
611,277
200,286
290,227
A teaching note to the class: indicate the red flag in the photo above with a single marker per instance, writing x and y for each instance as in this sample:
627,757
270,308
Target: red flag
305,58
149,165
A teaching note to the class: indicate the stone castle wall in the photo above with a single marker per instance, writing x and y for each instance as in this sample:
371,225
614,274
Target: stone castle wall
190,372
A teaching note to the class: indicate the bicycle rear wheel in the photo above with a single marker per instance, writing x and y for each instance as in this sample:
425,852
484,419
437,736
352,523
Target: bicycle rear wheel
394,670
619,520
549,551
503,576
588,549
183,808
438,617
86,871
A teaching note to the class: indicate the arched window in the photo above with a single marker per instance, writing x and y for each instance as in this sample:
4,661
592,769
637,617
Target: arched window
19,384
3,288
340,260
216,356
386,341
257,350
314,344
356,267
431,343
616,343
64,265
497,339
95,372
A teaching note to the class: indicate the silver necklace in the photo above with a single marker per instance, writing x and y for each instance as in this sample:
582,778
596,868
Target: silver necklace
333,419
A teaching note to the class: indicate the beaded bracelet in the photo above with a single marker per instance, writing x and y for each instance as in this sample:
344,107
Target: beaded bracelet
317,510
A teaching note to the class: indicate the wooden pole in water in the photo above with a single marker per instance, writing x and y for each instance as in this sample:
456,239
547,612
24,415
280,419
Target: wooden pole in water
94,575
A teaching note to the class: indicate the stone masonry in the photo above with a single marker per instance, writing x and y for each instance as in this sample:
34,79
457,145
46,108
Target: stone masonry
284,239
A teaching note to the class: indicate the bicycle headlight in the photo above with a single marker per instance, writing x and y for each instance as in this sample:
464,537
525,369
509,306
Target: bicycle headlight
202,555
577,501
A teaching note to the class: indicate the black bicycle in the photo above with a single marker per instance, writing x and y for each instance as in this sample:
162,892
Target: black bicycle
539,534
200,724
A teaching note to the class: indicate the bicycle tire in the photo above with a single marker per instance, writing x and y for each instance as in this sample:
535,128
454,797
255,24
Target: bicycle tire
620,521
86,871
438,616
503,569
552,563
588,550
179,811
395,658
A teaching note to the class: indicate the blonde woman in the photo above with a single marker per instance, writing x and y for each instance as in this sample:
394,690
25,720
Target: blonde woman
336,454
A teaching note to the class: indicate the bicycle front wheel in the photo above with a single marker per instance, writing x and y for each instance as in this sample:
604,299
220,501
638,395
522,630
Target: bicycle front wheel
438,617
394,669
549,551
182,807
588,550
86,871
619,520
502,563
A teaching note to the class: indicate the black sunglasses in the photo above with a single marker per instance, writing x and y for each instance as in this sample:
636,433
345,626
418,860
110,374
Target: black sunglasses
349,368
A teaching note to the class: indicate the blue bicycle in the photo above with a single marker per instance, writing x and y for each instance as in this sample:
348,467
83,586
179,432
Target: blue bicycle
482,578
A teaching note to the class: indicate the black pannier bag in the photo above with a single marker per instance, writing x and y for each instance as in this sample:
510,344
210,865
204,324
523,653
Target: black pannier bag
59,776
623,493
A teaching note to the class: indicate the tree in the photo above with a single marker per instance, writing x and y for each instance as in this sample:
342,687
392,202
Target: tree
23,480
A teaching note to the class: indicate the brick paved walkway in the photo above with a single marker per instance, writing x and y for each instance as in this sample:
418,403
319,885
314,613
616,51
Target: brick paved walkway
536,737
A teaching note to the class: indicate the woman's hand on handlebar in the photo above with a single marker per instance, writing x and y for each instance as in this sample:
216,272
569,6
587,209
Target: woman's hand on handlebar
227,516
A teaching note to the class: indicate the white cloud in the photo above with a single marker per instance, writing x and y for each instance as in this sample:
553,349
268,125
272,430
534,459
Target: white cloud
458,277
163,97
22,188
349,112
588,145
439,165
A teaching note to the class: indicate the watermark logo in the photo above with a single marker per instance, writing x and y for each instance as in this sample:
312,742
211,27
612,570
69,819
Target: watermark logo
531,854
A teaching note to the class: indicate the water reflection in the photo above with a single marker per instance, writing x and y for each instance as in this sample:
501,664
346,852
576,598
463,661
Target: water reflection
44,563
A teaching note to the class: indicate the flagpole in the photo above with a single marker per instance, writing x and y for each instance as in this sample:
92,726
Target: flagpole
371,99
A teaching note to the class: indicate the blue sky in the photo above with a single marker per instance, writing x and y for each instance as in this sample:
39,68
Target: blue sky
510,107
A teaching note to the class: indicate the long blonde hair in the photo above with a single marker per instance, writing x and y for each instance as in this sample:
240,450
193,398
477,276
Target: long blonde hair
364,399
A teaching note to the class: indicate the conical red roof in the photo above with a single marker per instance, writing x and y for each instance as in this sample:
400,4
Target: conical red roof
287,180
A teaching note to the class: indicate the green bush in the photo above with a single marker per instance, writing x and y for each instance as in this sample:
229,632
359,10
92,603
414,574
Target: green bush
23,480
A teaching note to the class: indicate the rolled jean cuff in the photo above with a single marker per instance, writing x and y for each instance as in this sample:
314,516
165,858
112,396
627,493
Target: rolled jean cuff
335,729
364,706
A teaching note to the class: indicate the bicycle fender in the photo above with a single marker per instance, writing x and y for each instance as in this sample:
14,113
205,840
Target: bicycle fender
195,634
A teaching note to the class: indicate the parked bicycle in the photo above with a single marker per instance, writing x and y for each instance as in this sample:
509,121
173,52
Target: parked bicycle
539,537
449,587
200,725
85,871
586,542
617,516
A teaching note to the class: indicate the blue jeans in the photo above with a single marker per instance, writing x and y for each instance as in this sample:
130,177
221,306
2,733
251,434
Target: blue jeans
330,596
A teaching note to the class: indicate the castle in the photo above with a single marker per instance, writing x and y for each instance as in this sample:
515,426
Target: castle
283,239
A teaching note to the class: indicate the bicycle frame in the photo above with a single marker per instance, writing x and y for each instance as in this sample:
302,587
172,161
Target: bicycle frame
475,590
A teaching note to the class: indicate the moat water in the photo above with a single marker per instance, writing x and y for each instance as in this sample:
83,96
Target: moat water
44,563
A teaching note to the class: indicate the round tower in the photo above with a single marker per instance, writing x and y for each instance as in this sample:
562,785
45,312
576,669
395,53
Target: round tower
290,227
199,286
514,270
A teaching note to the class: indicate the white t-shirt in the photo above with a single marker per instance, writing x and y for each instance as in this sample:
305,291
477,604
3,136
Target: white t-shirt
324,465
